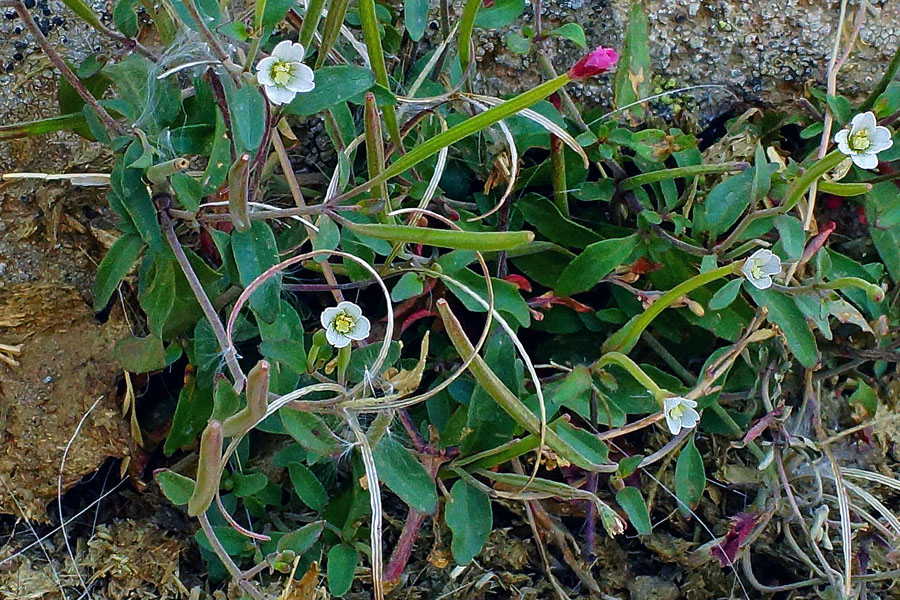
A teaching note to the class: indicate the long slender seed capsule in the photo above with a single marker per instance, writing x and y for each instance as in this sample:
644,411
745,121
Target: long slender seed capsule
257,402
207,469
238,186
158,173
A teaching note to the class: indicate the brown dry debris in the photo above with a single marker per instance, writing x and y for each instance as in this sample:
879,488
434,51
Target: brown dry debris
65,358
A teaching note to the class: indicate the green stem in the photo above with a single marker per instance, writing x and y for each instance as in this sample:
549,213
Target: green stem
688,171
372,38
337,9
458,132
619,359
845,190
501,394
625,339
558,175
375,154
873,292
311,22
466,25
810,176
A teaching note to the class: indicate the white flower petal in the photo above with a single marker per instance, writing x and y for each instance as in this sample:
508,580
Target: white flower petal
690,418
763,283
350,308
688,402
279,95
881,139
772,264
865,121
283,50
335,338
328,316
670,403
294,53
865,161
301,80
360,330
264,70
840,138
673,424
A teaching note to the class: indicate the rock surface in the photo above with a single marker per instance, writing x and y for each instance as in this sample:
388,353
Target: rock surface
766,51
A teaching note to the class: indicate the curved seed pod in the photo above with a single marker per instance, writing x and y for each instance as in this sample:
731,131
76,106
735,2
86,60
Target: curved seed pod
257,402
238,184
207,469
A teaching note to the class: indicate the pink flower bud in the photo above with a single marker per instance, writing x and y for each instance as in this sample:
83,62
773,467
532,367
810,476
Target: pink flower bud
596,63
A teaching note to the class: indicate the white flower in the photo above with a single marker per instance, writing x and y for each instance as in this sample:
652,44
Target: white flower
283,75
864,140
343,323
680,413
760,267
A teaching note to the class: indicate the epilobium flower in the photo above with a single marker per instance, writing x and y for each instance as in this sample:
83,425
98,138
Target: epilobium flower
344,323
596,63
680,413
864,140
760,267
283,75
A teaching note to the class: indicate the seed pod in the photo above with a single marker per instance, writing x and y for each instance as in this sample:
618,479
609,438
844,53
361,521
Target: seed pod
238,184
257,402
158,173
207,469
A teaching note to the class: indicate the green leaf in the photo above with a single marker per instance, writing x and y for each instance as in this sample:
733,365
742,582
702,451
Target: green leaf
585,442
308,487
219,158
633,75
405,476
191,414
864,398
226,401
408,286
328,238
415,14
178,489
273,12
119,260
209,11
187,190
469,517
125,18
309,430
141,354
248,115
572,32
130,189
550,222
248,485
255,251
690,478
727,201
485,241
159,298
341,566
792,236
501,14
726,294
301,540
595,263
518,44
633,504
153,103
883,198
333,86
783,312
507,298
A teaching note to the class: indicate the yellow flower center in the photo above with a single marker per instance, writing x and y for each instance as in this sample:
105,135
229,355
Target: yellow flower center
281,72
859,141
677,411
343,323
756,270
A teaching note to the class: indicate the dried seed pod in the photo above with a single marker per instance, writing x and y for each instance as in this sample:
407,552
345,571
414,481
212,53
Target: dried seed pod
207,469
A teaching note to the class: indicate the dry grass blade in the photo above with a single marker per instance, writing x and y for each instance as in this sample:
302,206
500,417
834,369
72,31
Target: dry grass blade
365,451
513,164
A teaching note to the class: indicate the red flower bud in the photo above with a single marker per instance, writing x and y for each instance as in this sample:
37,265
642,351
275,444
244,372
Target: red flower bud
596,63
